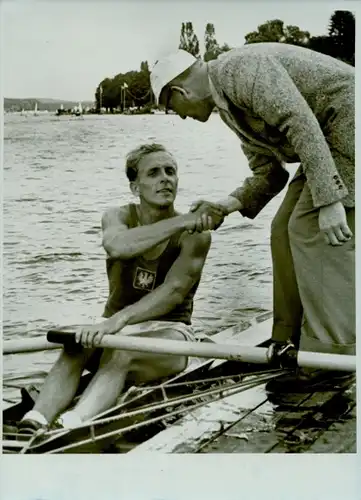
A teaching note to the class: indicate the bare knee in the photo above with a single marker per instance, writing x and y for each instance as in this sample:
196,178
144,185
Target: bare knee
115,358
146,367
160,366
73,361
176,363
179,364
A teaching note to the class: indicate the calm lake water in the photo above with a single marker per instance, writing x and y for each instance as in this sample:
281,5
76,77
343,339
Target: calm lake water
60,174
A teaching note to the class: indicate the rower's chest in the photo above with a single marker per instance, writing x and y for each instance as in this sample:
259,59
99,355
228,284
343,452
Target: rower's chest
156,251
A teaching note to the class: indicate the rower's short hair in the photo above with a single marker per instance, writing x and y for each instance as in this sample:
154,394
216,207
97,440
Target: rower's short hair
137,154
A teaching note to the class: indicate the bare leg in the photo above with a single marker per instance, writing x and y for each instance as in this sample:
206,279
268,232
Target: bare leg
108,383
61,384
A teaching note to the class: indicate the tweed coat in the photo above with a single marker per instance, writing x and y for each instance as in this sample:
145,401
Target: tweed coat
288,104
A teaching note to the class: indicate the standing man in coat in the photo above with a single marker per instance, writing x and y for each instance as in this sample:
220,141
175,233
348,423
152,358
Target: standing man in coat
287,104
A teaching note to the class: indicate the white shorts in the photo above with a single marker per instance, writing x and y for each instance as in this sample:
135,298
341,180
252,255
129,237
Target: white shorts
156,326
153,327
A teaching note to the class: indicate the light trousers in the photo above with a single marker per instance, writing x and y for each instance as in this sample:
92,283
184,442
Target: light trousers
313,282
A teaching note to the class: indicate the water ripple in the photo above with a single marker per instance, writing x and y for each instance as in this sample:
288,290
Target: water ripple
53,257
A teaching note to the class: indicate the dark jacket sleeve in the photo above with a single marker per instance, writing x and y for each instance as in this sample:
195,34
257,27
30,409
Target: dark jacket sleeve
269,178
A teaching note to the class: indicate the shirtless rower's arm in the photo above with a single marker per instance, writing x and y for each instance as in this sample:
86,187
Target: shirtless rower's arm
122,242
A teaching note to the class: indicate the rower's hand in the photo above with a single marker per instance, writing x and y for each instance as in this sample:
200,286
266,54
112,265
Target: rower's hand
333,224
209,216
91,335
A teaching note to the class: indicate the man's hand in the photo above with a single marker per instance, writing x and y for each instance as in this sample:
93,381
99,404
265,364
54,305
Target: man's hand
91,335
209,216
333,224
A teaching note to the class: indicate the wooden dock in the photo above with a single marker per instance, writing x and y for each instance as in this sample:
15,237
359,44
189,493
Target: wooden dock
254,422
323,422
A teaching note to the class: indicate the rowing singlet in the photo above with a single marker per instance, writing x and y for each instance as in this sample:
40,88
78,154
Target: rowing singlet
131,279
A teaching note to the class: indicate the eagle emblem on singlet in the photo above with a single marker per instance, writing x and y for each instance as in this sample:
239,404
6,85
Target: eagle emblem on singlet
144,279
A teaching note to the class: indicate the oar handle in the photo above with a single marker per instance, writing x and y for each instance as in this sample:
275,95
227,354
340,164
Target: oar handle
65,338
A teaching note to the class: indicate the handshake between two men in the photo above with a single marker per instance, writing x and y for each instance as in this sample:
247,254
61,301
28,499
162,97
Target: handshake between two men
205,216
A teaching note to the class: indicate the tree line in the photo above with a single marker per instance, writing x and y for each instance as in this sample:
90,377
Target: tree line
132,89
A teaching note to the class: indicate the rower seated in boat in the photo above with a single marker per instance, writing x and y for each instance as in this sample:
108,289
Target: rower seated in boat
155,258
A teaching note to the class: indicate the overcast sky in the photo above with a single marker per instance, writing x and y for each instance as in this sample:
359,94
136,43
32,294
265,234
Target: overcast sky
63,49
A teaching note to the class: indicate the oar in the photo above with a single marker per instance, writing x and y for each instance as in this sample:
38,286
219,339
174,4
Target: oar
233,352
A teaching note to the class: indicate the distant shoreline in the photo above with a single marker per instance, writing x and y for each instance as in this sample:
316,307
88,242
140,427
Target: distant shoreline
28,104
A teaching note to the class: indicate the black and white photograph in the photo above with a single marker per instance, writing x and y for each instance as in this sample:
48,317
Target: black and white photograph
178,235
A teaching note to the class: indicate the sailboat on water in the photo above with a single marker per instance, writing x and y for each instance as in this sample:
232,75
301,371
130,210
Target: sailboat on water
78,111
36,109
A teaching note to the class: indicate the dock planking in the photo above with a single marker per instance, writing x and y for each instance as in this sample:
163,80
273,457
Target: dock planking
322,422
339,438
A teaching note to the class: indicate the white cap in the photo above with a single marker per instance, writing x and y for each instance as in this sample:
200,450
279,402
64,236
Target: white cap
169,67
